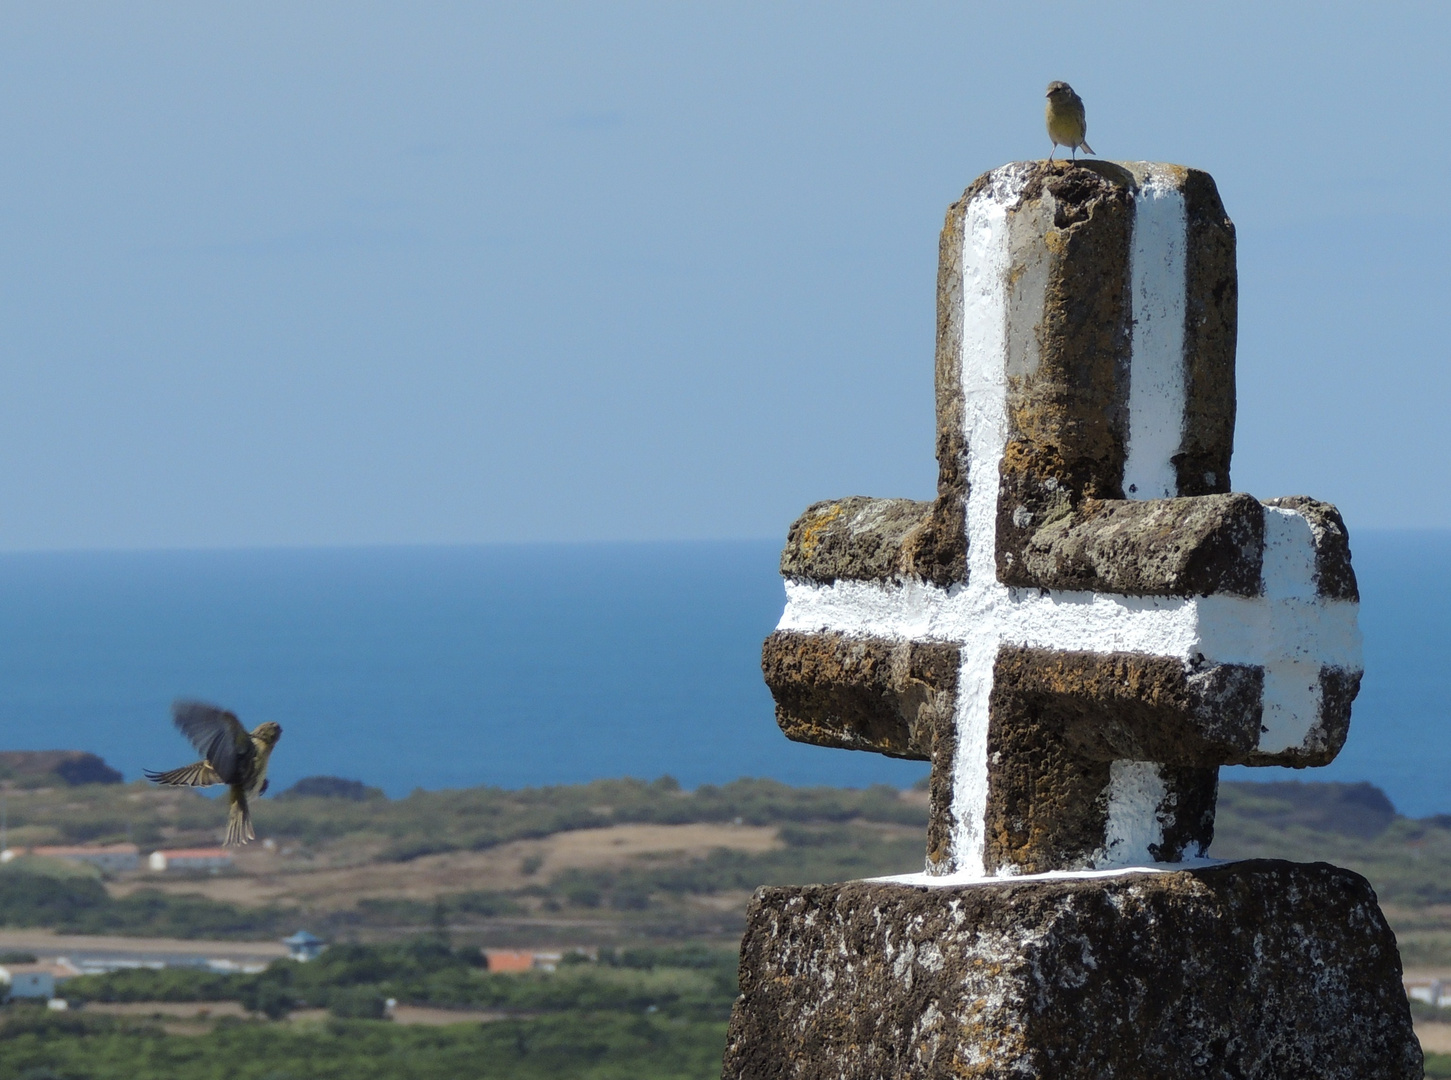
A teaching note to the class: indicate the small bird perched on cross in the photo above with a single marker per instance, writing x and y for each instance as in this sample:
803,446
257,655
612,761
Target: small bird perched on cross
231,755
1067,122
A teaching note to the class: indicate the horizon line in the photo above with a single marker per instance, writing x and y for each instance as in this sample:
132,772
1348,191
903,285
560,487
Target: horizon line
415,545
441,545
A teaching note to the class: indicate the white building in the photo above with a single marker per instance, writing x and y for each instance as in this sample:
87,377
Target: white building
1433,992
303,946
190,859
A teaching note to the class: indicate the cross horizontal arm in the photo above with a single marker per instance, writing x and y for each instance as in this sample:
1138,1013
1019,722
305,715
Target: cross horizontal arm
862,693
1193,546
865,539
1129,706
897,697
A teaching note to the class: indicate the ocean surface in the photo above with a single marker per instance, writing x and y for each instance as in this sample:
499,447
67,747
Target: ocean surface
545,664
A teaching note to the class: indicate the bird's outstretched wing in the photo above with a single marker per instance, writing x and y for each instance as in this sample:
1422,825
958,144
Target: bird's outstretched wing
199,775
218,736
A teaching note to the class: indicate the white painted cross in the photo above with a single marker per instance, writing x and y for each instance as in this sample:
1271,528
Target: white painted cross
1085,624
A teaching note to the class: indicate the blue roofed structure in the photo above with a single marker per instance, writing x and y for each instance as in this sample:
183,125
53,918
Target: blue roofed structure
303,946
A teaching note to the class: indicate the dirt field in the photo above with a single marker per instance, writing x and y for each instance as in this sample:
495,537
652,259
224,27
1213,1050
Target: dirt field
266,878
409,1014
174,1010
1435,1038
52,944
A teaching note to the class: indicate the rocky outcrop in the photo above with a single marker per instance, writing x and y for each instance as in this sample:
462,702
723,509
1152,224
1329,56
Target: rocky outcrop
64,766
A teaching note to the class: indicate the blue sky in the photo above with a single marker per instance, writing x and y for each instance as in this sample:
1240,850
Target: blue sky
348,273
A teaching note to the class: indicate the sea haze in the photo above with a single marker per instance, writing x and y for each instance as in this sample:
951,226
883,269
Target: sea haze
544,664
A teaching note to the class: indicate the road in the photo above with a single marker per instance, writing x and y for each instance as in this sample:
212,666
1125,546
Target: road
47,944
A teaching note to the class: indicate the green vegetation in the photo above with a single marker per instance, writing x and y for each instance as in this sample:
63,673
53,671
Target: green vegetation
692,982
427,822
436,821
636,1013
825,833
580,1046
632,1013
332,787
812,853
1351,825
79,904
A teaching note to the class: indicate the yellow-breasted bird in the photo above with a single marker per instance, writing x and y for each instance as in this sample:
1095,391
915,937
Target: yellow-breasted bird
1067,122
230,755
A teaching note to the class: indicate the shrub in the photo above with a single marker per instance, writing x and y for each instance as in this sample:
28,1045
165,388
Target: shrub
332,787
357,1003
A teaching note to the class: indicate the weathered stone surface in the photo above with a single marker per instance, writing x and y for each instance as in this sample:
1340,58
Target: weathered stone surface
862,693
1062,727
1071,326
1069,334
880,694
1059,721
1156,547
1080,628
864,539
1338,689
1211,327
856,539
1085,362
1130,706
1334,577
1260,970
952,464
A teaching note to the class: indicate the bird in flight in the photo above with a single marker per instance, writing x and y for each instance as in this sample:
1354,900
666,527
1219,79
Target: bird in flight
230,755
1067,122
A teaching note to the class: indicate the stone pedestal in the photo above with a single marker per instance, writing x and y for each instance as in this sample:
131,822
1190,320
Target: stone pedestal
1264,969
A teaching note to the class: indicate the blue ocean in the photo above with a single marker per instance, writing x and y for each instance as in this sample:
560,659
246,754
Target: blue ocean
435,667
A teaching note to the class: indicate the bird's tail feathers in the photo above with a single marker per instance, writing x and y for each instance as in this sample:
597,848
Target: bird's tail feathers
239,822
1087,149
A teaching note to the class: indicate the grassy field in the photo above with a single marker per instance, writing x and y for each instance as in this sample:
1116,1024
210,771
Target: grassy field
653,878
607,862
586,1046
603,863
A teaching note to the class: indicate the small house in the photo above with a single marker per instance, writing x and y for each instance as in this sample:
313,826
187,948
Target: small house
508,960
28,981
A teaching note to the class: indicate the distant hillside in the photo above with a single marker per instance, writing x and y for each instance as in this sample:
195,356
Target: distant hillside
332,787
1360,810
32,767
606,861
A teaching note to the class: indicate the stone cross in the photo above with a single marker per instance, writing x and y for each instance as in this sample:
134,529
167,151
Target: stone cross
1086,623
